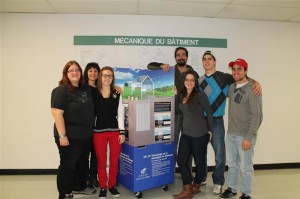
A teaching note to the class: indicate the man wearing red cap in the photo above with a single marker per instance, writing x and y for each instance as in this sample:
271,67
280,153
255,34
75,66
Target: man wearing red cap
216,84
244,119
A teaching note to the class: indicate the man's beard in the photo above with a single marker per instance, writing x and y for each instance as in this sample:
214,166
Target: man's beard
181,62
238,79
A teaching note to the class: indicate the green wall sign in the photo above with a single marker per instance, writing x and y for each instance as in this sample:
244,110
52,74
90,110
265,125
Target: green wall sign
150,41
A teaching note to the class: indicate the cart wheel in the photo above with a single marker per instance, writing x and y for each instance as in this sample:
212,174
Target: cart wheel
138,194
165,187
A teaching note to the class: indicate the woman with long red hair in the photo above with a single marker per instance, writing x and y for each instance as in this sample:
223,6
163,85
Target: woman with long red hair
72,108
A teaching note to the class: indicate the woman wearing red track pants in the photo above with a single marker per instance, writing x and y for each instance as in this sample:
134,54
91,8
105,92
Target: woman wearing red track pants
109,130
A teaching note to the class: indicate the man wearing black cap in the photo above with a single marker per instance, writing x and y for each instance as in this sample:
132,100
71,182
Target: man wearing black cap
244,119
216,84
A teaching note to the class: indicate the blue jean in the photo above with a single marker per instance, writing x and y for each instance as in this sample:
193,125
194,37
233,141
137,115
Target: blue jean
196,146
239,163
218,144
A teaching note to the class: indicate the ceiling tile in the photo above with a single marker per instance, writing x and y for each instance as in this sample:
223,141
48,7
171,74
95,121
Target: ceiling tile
27,6
295,19
205,1
258,13
96,6
270,3
273,10
179,8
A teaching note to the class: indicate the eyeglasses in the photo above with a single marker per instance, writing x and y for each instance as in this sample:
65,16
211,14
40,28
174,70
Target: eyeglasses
72,71
189,80
107,76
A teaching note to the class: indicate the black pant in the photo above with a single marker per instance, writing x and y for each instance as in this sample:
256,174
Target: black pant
72,169
93,164
178,129
196,146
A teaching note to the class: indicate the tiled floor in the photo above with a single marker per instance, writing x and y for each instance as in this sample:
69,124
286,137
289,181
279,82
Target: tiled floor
268,184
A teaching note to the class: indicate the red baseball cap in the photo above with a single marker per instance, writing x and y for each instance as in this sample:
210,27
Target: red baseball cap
239,62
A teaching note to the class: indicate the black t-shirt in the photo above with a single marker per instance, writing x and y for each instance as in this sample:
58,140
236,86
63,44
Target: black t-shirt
78,107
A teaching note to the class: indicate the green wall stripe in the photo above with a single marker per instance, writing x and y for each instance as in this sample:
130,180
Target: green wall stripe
150,41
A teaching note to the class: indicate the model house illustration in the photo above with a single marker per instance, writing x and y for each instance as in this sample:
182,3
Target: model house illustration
143,87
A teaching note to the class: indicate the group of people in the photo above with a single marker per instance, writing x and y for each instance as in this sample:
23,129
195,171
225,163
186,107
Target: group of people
200,107
89,117
88,114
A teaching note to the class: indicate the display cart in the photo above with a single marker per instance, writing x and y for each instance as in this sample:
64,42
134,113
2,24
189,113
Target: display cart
147,156
148,167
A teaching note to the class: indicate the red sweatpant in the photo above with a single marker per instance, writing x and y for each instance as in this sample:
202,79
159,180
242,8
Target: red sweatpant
101,140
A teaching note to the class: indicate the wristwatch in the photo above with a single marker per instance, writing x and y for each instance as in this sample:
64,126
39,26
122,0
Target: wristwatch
62,136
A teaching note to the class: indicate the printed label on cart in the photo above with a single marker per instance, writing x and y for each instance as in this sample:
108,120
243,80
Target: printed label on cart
143,174
125,164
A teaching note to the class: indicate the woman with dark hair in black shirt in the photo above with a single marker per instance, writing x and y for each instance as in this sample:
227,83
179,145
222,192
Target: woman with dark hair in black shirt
90,76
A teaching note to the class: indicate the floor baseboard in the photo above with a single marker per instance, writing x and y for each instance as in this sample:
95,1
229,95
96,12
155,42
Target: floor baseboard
28,171
210,168
294,165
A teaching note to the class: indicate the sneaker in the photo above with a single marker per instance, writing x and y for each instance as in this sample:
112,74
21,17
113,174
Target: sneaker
89,191
138,194
68,196
203,183
65,196
217,189
102,194
95,182
165,187
227,194
86,191
114,192
244,196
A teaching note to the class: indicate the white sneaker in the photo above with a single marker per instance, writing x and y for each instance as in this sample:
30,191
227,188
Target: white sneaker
217,189
203,183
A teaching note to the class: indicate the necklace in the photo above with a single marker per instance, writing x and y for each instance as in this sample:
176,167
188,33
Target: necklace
105,94
82,95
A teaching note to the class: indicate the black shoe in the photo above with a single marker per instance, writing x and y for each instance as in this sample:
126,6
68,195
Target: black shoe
227,194
244,196
102,194
114,192
138,194
66,196
95,182
203,183
86,191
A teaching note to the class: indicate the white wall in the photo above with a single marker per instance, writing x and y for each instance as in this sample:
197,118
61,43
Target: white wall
0,91
35,47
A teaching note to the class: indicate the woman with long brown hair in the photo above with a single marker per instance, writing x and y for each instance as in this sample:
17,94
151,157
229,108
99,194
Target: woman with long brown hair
109,130
196,132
